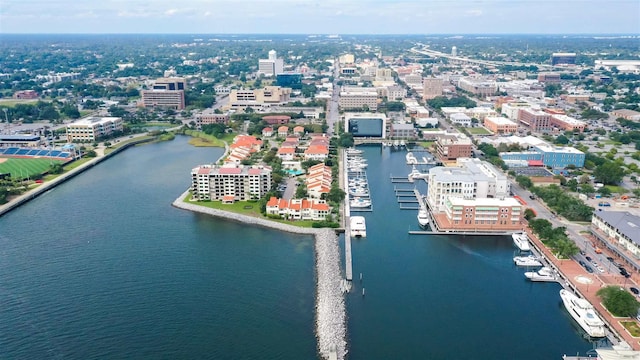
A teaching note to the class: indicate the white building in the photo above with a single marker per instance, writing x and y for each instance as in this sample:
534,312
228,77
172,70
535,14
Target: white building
271,66
460,119
472,179
357,98
93,128
230,183
512,109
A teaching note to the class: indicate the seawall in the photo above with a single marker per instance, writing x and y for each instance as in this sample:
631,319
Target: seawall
33,193
331,325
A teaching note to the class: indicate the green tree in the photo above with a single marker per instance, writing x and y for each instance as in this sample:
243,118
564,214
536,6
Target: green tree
619,301
605,191
529,214
572,185
609,173
524,181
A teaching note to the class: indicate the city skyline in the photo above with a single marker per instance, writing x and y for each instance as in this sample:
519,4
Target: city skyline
326,17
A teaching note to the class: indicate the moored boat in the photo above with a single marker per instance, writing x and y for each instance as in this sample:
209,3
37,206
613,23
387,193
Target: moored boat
544,274
423,217
521,241
583,313
359,202
528,260
358,227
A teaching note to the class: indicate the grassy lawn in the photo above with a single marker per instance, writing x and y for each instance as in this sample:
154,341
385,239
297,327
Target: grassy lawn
616,189
430,129
23,168
426,144
478,131
67,168
245,208
198,138
632,327
14,102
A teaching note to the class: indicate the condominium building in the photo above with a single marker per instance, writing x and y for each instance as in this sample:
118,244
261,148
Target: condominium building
431,88
358,98
271,66
478,86
618,230
472,179
500,125
298,209
482,215
230,183
536,120
567,123
453,146
257,98
93,128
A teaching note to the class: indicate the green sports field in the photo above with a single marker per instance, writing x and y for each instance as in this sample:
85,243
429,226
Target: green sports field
23,168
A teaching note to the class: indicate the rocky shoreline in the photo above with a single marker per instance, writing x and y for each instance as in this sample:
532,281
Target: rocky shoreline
331,325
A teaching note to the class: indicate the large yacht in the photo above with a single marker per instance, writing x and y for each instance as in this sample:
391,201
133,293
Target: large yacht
359,202
528,260
411,159
521,241
583,313
544,274
358,226
423,217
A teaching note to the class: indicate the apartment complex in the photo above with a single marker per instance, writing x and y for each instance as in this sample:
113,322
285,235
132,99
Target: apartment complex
271,66
265,97
230,183
536,120
485,215
453,146
298,209
93,128
478,86
500,125
431,88
358,98
618,230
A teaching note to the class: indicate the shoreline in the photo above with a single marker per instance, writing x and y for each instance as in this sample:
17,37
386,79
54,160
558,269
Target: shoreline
331,323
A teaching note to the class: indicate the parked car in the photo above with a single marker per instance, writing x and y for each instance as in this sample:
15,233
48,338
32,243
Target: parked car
589,269
635,291
589,259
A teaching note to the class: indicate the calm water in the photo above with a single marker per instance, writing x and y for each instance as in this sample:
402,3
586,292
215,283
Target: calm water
442,297
102,267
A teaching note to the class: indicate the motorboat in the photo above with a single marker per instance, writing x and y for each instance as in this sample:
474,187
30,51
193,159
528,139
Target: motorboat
353,151
583,313
358,227
411,159
521,241
358,191
544,274
423,217
528,260
359,202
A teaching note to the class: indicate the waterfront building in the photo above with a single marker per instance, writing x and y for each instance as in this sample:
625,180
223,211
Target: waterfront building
298,209
258,98
403,131
318,180
431,88
567,123
453,146
536,120
211,118
563,58
271,66
471,179
618,230
500,125
358,98
91,129
478,86
480,214
230,183
366,125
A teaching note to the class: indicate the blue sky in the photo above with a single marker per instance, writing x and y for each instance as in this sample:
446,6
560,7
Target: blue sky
321,16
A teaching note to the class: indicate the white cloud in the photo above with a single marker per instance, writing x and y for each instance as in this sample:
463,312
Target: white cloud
474,12
171,12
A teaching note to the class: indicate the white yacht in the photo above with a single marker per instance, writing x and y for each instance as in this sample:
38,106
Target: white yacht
423,217
528,260
416,174
358,191
353,151
544,274
521,241
358,226
359,202
411,159
583,313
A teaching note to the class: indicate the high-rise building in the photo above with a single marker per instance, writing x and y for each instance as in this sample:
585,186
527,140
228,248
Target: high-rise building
271,66
454,51
536,120
165,93
93,128
431,88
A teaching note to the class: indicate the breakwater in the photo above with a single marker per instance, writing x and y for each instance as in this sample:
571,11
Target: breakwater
330,305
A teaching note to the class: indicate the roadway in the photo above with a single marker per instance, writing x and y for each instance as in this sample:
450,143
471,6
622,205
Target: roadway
333,112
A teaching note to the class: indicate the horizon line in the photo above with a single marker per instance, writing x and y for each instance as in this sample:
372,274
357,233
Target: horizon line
316,34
